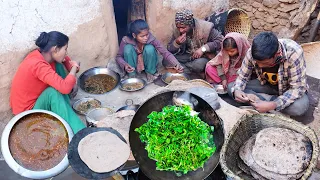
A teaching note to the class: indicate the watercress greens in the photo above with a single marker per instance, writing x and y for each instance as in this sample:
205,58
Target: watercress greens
177,139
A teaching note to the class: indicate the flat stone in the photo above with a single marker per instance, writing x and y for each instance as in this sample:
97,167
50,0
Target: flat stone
262,22
259,15
284,15
277,29
293,13
254,10
247,1
273,11
283,22
270,19
256,24
288,7
257,5
247,8
288,1
267,27
250,14
271,3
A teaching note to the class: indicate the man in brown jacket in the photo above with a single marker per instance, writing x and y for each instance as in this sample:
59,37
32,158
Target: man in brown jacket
194,42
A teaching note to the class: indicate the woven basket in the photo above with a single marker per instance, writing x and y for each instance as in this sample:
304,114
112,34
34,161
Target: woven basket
238,21
201,82
252,124
232,20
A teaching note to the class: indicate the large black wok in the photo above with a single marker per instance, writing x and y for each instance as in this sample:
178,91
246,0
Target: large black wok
147,165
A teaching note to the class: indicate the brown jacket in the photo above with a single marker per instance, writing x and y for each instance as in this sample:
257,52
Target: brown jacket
204,34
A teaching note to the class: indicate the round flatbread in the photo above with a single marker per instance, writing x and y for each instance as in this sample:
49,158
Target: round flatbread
103,151
257,171
120,121
282,151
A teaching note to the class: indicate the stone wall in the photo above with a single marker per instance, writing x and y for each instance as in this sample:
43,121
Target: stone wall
284,17
305,33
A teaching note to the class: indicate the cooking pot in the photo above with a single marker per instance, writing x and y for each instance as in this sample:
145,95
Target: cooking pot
22,170
147,165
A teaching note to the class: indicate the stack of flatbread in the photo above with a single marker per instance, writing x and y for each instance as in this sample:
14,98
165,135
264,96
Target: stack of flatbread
119,121
275,153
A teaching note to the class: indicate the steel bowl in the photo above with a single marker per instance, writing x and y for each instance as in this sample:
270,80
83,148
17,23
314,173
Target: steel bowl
173,76
132,80
129,106
17,167
97,114
95,71
78,102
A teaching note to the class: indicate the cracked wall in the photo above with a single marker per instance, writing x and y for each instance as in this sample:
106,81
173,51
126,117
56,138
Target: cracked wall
23,20
88,23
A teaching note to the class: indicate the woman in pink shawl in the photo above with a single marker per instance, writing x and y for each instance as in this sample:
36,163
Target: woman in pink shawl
223,68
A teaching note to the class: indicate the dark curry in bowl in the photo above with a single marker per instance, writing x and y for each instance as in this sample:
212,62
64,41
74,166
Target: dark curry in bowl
38,141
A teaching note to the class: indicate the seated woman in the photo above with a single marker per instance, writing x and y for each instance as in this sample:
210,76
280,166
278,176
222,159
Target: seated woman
41,81
223,68
138,52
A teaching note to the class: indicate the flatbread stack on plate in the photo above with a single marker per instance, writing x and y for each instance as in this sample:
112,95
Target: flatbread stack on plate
120,122
276,153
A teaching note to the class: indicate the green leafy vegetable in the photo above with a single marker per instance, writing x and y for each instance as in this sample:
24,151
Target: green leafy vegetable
177,139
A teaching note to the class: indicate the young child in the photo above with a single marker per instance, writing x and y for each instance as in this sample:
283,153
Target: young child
138,52
223,68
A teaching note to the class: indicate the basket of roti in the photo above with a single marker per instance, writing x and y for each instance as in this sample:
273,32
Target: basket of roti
269,146
98,153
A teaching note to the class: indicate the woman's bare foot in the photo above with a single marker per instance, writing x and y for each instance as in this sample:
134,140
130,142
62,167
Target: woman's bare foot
152,77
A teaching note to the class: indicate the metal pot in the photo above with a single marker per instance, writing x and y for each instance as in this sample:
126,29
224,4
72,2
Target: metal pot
147,165
129,106
17,167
